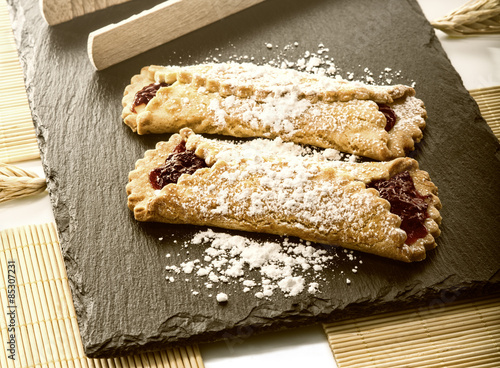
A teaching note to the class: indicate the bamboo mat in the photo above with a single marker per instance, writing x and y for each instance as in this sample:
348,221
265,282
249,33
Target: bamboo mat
46,331
460,335
488,100
17,134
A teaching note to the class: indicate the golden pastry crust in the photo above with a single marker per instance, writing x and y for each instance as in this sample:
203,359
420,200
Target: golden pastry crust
316,200
246,100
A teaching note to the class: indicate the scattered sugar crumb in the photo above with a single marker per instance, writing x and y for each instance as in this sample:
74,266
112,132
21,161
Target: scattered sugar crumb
249,283
222,297
332,154
292,285
313,288
187,267
281,264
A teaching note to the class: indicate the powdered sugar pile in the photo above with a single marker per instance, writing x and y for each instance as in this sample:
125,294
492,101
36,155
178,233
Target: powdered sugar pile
275,113
291,267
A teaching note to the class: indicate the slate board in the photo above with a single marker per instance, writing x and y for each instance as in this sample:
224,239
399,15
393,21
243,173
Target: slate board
116,265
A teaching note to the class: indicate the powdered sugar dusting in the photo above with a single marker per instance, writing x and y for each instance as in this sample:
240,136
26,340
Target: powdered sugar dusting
238,150
288,192
258,267
319,60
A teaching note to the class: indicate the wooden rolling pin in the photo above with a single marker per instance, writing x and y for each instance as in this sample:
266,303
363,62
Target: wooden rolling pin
163,23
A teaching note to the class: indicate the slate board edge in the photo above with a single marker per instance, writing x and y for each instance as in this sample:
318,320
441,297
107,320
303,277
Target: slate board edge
432,300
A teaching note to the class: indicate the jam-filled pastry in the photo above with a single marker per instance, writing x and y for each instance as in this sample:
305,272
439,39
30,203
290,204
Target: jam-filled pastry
247,100
385,208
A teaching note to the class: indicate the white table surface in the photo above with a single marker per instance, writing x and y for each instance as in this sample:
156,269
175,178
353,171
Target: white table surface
477,60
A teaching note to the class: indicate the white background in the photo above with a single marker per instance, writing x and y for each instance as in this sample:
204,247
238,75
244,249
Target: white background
477,60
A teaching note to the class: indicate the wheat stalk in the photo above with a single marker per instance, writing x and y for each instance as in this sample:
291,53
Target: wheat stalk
474,17
17,183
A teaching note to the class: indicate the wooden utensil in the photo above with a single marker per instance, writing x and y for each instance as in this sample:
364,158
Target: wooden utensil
169,20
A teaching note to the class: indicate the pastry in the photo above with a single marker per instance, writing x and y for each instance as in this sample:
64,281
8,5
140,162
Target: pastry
194,180
246,100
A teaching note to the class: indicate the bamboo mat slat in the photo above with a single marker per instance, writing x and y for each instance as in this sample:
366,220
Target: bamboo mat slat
17,134
46,329
465,334
488,100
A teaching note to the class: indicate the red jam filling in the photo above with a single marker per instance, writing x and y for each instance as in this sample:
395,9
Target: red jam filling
390,116
405,202
180,161
147,93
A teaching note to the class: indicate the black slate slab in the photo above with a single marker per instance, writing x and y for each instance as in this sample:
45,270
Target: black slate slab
116,265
